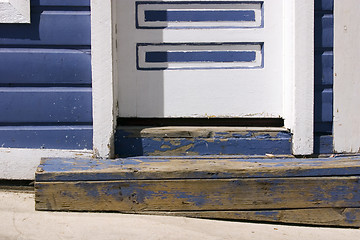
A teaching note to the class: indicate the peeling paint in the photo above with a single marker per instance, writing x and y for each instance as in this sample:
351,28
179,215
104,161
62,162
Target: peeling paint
222,143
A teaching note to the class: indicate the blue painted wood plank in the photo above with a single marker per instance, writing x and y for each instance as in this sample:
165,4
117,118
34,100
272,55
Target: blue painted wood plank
324,30
194,167
324,5
323,144
199,16
44,66
200,194
323,105
46,137
244,145
323,127
45,105
66,3
324,65
49,28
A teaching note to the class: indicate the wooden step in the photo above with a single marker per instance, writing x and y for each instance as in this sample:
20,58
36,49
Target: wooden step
319,191
196,140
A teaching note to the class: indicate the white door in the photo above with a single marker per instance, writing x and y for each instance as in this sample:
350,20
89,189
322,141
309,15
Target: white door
200,58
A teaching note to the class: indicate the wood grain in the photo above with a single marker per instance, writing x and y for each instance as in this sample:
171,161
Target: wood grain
194,167
199,194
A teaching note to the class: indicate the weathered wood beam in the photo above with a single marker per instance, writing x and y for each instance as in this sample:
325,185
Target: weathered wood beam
199,194
209,167
321,191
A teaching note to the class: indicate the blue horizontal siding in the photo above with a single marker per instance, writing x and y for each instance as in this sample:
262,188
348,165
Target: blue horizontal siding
46,137
45,105
323,144
324,68
44,66
324,5
323,128
324,105
45,78
62,28
324,30
323,112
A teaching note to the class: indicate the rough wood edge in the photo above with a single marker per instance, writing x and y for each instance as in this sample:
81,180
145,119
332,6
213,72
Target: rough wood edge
340,217
203,132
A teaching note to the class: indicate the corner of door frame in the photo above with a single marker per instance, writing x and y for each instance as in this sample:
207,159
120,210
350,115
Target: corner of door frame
299,74
103,76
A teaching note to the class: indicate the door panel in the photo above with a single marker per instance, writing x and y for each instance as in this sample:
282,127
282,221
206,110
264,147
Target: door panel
200,58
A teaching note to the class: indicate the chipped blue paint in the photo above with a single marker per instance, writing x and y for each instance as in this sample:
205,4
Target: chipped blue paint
91,191
337,193
352,215
57,169
136,194
198,200
240,145
250,143
68,194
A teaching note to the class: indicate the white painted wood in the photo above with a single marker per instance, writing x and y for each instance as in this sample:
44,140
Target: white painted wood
299,72
14,11
103,72
346,128
20,163
255,92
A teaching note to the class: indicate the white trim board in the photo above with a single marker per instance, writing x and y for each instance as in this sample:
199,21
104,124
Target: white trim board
14,11
299,74
103,72
346,128
21,164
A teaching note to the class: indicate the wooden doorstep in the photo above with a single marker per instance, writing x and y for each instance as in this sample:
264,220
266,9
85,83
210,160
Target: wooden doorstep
288,190
196,140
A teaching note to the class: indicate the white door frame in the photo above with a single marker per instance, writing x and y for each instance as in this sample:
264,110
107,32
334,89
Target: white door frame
298,87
